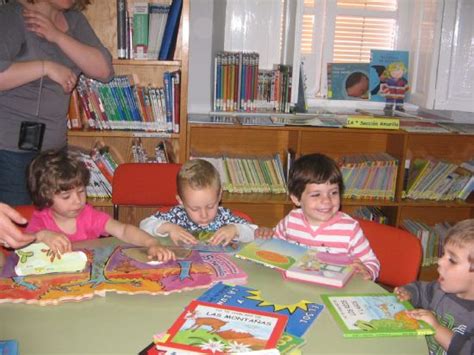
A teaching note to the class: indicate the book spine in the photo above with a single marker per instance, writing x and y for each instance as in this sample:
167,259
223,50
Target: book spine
121,29
140,30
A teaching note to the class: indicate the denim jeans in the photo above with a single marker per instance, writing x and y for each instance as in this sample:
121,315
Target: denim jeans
13,186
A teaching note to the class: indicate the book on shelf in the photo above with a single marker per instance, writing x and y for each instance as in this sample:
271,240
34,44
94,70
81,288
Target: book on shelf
301,315
336,121
429,240
416,125
157,22
371,213
381,84
170,35
363,121
122,29
140,30
202,326
9,346
348,81
373,315
212,119
458,127
298,262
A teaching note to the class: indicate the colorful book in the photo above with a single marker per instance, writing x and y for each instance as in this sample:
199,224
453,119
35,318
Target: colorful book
275,253
140,30
373,315
211,328
224,269
301,314
348,81
9,347
170,34
321,268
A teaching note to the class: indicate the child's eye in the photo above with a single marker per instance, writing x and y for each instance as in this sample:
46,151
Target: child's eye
335,193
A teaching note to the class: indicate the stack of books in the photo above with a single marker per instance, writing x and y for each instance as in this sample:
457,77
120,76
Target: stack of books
249,174
101,166
369,176
371,213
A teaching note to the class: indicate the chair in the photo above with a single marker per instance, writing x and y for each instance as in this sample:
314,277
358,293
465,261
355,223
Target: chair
398,251
143,184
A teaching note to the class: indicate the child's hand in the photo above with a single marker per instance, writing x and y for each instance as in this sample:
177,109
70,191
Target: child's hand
402,294
179,234
361,269
263,232
157,252
224,235
57,242
424,315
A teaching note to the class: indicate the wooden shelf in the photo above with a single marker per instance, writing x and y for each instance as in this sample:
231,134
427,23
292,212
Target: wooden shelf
123,134
147,62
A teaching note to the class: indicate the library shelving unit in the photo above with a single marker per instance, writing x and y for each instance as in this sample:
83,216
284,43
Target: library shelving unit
268,209
102,17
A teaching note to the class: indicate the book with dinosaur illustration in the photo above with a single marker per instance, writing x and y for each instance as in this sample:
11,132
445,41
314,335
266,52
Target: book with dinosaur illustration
373,315
212,328
301,314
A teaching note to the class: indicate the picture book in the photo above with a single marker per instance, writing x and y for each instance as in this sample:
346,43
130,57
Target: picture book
301,314
212,328
348,81
388,76
373,315
122,269
321,268
223,269
9,347
276,253
37,259
203,246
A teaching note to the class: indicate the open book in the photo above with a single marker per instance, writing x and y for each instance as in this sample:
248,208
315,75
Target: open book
373,315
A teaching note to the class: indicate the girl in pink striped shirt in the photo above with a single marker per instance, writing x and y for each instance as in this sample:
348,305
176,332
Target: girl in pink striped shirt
315,186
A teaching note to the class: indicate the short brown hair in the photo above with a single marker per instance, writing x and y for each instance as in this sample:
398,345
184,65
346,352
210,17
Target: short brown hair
313,169
54,171
78,4
197,174
462,235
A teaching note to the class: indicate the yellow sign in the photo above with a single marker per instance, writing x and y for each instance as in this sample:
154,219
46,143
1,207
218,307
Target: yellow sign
372,122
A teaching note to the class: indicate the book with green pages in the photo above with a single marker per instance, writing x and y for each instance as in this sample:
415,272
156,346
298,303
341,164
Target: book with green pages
373,315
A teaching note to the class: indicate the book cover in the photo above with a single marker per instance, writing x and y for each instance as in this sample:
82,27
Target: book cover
170,34
121,29
348,81
9,347
321,268
373,315
140,30
157,22
211,328
388,76
276,253
301,314
224,269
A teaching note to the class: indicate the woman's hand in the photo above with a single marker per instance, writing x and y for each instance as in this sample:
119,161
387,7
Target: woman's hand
61,75
38,23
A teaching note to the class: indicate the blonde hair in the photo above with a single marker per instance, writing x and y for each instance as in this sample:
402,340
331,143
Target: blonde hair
197,174
78,4
462,235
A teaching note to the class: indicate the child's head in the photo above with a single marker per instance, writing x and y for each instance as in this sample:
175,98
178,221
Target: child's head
395,70
199,190
54,173
315,184
357,85
456,267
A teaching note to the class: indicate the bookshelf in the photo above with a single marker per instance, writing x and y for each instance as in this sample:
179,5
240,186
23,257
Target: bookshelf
268,209
102,17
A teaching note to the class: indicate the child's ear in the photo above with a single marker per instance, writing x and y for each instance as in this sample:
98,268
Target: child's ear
295,200
179,200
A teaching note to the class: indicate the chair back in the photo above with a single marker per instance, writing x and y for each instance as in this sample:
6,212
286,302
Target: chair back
144,184
398,251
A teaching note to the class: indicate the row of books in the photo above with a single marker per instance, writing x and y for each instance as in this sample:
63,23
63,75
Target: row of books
100,182
147,30
438,180
431,238
369,176
249,174
371,213
239,85
123,104
140,154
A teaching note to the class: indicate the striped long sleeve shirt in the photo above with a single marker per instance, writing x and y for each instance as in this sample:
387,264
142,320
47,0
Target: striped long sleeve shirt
340,235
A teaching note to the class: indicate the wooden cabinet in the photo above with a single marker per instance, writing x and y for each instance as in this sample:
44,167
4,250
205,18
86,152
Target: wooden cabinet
268,209
102,17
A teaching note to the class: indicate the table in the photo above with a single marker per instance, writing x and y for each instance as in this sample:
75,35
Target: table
124,324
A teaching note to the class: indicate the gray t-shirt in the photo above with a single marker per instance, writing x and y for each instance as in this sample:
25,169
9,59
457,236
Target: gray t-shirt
30,102
452,312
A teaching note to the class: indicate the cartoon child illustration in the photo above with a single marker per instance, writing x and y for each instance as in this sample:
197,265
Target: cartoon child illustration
394,86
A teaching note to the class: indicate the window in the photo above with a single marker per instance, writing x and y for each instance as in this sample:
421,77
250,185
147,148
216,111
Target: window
345,31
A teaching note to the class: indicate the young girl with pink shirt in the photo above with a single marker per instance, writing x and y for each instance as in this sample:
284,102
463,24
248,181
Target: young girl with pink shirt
315,186
57,181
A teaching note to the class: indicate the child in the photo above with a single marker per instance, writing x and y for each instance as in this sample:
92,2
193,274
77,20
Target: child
199,195
315,186
448,304
57,180
357,85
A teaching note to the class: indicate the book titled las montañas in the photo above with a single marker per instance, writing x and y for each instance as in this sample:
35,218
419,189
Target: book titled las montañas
373,315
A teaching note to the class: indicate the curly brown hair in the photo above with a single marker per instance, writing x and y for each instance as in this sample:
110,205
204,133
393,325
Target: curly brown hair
313,169
78,4
54,171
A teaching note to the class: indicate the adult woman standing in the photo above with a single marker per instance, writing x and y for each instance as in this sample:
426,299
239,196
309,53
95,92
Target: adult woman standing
45,45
